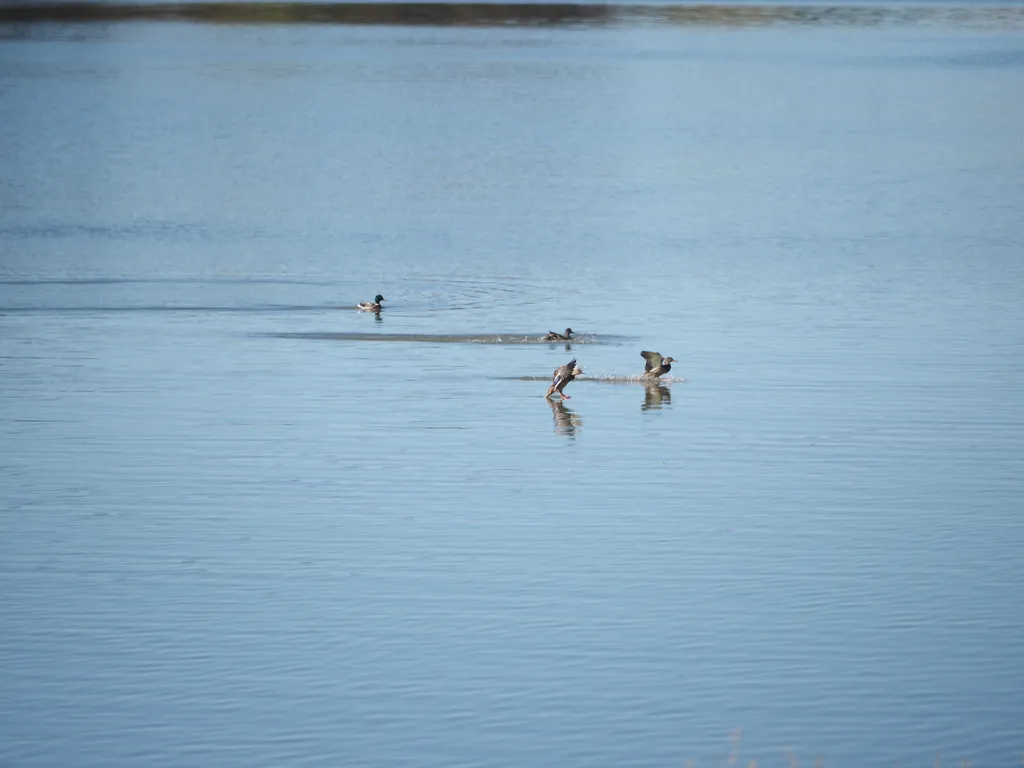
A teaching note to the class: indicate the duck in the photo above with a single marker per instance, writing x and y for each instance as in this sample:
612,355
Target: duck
562,376
656,365
553,336
371,306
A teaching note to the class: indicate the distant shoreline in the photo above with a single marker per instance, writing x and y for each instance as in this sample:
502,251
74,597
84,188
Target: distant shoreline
443,14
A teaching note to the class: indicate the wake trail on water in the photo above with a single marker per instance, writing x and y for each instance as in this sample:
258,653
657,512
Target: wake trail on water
447,338
612,378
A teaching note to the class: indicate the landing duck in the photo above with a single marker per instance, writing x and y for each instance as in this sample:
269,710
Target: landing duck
656,365
562,376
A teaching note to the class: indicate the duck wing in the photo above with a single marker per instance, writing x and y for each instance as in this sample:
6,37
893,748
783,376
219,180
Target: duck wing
653,360
564,373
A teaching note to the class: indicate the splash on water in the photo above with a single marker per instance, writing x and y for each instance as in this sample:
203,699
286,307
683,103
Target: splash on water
611,378
639,378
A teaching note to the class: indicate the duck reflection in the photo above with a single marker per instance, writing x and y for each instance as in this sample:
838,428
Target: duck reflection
656,396
567,421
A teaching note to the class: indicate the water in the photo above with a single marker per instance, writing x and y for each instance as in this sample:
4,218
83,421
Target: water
246,525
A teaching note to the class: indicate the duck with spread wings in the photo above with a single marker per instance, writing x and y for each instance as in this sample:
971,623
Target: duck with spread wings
656,365
562,376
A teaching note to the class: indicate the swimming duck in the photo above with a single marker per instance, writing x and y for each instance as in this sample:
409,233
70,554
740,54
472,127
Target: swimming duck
656,364
552,336
371,306
562,376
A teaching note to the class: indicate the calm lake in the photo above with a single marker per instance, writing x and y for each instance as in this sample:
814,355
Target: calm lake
244,524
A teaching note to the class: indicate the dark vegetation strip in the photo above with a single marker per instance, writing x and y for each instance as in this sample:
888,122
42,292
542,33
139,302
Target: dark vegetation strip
500,14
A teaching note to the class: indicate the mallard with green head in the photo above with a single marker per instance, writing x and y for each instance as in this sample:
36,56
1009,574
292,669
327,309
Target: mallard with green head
553,336
563,375
656,365
371,306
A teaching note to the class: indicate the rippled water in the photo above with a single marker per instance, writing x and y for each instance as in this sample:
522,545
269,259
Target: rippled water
237,530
